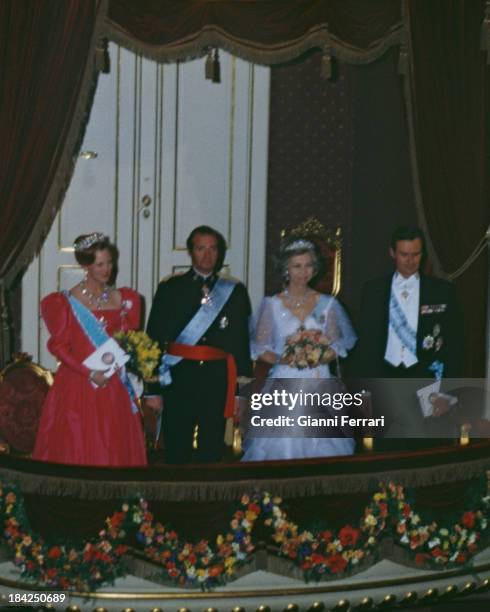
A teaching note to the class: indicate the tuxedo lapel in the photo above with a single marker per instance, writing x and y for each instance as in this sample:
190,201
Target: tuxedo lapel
423,291
384,308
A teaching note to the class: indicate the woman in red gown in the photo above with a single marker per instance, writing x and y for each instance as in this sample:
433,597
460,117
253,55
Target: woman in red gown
88,419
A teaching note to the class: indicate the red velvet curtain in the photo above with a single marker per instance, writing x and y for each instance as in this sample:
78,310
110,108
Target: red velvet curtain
450,95
263,31
46,53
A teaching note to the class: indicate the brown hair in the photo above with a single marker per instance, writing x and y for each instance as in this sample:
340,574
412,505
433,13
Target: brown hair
86,256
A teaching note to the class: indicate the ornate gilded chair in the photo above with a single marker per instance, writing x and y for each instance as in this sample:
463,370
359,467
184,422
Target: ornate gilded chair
23,388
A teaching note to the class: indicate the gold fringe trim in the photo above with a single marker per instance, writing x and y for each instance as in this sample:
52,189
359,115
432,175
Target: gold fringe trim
196,45
286,487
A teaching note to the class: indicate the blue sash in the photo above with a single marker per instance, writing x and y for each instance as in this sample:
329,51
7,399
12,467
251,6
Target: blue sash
321,305
401,327
97,336
197,326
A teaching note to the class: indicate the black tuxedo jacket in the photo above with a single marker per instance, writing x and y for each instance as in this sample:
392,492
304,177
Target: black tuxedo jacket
176,302
439,331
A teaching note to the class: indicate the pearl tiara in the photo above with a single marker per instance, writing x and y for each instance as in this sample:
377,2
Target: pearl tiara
82,244
300,244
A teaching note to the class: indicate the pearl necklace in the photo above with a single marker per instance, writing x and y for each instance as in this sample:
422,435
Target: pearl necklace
96,300
295,303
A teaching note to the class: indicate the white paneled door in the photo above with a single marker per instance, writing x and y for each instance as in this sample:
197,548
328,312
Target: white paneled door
164,151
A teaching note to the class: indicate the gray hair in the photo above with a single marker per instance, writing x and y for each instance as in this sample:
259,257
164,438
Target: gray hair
297,246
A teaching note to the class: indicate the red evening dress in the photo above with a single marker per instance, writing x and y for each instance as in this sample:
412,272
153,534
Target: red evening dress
81,424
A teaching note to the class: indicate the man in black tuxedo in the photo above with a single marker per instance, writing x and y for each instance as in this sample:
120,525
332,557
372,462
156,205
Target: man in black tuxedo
410,327
200,382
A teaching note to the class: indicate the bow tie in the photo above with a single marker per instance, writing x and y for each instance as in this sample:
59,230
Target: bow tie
406,283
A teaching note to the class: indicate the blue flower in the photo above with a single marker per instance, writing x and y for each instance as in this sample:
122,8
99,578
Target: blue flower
437,367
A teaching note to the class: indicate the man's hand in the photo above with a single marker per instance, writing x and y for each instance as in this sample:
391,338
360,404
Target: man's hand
155,403
441,404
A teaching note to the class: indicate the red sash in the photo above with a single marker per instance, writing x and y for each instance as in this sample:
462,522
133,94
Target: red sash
210,353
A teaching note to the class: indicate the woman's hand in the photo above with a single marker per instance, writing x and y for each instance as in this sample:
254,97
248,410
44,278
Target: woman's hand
270,357
329,355
98,378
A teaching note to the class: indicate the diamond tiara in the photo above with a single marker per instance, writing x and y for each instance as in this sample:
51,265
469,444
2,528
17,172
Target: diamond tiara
300,244
85,243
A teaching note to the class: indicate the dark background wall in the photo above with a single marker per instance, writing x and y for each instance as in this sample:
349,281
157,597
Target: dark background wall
339,151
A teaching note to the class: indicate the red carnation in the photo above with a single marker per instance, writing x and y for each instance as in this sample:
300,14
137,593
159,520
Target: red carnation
383,509
317,559
254,508
117,518
437,552
421,558
51,573
348,536
336,563
55,553
121,549
326,536
406,510
468,520
461,558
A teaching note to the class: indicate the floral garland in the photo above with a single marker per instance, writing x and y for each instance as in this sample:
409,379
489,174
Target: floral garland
206,566
59,567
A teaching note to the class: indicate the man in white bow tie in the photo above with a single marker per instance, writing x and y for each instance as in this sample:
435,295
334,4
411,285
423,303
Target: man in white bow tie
410,324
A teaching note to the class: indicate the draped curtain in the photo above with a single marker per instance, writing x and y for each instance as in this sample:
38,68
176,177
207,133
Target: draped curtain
449,98
262,31
47,53
47,71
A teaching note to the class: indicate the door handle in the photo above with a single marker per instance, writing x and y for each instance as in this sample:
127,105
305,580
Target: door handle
145,203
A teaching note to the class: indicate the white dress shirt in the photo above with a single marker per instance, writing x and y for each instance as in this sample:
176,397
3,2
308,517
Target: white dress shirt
407,293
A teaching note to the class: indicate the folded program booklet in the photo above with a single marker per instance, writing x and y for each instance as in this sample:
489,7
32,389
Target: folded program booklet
107,358
426,396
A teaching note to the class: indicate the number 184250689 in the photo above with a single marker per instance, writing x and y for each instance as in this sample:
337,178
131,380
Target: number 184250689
34,598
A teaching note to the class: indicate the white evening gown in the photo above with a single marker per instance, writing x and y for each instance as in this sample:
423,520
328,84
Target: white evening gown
272,324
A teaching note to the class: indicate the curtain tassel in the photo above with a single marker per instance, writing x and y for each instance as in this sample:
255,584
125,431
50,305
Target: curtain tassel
485,32
208,67
326,65
212,68
216,67
102,59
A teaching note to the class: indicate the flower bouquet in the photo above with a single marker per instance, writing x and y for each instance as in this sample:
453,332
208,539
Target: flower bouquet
144,356
307,348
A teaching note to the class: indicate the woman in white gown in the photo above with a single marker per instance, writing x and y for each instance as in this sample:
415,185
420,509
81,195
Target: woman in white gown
296,308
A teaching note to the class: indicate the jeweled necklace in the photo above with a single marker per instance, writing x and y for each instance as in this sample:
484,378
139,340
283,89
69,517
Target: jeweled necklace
294,302
99,301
